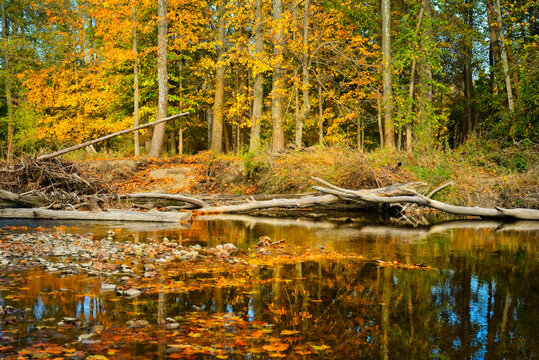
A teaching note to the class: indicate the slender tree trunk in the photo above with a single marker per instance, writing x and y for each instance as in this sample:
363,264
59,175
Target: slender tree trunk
511,62
412,84
162,79
425,91
493,35
320,116
258,88
411,88
387,76
468,80
505,62
278,87
136,82
379,116
217,128
306,107
7,76
180,121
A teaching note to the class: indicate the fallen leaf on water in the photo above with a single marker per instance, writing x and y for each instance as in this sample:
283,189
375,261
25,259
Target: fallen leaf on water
276,346
289,332
320,347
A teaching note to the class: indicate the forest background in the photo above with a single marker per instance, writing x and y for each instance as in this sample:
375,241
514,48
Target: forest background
417,76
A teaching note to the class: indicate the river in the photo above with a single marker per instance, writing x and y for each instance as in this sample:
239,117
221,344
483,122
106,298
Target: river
472,293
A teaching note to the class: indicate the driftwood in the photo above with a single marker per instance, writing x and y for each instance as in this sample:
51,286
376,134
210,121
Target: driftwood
21,200
55,183
302,202
106,137
275,203
175,197
406,194
151,216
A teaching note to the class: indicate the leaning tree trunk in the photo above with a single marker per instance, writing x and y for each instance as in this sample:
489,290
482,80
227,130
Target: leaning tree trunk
505,62
162,79
425,91
412,84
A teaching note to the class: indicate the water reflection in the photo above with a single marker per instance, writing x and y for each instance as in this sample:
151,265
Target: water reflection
481,303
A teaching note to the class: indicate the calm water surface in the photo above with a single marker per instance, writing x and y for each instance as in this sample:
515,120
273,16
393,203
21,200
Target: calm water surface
481,302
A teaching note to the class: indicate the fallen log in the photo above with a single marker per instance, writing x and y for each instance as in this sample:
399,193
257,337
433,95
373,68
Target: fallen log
21,200
150,216
302,202
405,194
268,204
174,197
106,137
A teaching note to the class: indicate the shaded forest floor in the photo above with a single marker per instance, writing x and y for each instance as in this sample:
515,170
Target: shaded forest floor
483,174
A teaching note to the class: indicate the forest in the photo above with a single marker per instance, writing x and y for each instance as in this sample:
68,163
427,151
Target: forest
408,75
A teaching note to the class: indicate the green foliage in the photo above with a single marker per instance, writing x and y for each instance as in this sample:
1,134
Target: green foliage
433,175
254,163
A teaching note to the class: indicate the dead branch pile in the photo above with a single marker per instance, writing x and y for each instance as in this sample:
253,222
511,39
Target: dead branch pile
51,183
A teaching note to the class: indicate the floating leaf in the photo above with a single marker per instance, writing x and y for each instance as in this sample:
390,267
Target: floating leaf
320,347
289,332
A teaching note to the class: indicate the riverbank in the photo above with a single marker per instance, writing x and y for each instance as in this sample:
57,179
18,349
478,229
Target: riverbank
483,175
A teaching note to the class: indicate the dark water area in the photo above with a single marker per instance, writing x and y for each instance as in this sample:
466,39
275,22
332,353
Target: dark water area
481,300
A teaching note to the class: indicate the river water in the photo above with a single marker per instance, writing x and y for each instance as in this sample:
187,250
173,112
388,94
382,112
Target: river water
480,300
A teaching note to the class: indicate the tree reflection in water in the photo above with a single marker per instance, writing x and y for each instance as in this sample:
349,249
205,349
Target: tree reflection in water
480,303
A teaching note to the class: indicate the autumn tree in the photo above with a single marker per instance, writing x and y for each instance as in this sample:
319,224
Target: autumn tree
136,95
387,79
278,81
258,87
306,106
7,83
217,123
162,78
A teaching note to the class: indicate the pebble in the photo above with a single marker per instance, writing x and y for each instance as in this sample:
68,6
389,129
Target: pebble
172,326
72,254
108,287
131,293
137,323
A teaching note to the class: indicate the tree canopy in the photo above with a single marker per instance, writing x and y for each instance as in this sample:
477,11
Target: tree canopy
456,69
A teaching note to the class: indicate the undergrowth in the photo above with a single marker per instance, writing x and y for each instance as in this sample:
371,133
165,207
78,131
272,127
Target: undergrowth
483,174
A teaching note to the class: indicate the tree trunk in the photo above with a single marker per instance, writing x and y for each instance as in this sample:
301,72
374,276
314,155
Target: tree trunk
217,124
180,121
505,62
106,137
278,86
425,91
494,40
258,91
468,80
306,106
412,84
136,82
379,116
150,216
387,76
320,116
162,79
7,78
